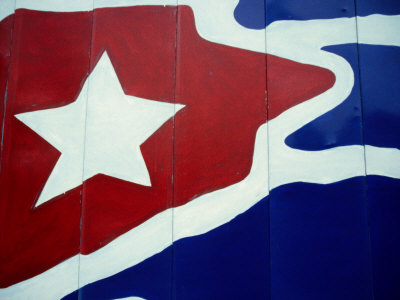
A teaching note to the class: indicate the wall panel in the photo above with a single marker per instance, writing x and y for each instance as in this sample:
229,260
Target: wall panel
129,127
218,146
318,217
48,68
379,57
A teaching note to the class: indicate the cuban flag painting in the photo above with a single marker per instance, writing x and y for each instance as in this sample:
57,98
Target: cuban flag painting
200,149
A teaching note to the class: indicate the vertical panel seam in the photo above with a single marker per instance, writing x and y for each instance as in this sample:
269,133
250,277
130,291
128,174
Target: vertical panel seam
6,89
172,296
84,150
365,190
268,159
3,232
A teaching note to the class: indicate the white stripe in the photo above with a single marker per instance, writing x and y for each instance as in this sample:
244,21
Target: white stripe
6,8
56,5
383,161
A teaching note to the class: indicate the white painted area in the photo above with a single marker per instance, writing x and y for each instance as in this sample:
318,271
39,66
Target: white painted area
116,126
297,40
379,30
6,8
56,5
383,161
136,245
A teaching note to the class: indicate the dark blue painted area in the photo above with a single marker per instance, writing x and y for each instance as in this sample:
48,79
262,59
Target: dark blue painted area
230,262
72,296
308,9
380,91
384,211
384,7
380,88
250,13
319,242
340,126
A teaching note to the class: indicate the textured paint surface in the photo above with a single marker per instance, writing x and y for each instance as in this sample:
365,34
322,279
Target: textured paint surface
309,233
267,165
216,160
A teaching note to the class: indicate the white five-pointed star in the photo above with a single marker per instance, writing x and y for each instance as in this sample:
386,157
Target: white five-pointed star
100,133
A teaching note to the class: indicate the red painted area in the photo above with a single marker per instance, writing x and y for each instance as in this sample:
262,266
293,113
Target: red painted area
222,87
301,82
5,51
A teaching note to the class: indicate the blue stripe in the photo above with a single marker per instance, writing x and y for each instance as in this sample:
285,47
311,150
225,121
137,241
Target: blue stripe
380,81
251,13
384,209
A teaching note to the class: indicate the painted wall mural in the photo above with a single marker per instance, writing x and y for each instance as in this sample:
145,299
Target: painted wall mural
200,149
